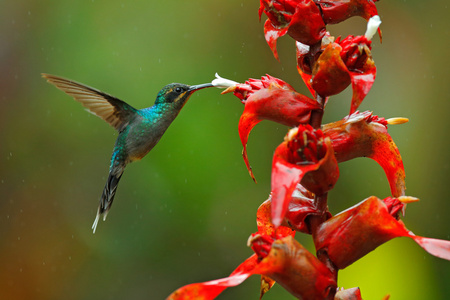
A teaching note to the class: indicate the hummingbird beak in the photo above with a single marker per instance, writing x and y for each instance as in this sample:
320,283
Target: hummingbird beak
193,88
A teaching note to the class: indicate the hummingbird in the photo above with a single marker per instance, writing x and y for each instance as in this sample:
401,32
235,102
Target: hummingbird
139,129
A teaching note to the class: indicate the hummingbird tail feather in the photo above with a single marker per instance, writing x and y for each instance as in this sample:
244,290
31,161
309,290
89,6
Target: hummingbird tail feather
94,226
107,197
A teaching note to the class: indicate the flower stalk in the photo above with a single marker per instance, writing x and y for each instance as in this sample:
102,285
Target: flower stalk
305,165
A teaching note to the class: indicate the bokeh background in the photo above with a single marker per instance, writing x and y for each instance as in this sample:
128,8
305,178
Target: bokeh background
183,214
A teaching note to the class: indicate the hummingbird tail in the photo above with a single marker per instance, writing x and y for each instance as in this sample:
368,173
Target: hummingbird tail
107,197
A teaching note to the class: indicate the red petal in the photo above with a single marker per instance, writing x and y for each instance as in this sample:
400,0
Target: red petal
353,233
261,9
246,124
330,74
266,284
439,248
211,289
265,225
307,30
288,262
285,177
307,80
361,85
298,270
336,11
362,135
300,207
271,34
279,103
325,177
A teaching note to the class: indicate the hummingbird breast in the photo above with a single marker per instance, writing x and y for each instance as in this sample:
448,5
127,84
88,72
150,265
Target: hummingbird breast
145,131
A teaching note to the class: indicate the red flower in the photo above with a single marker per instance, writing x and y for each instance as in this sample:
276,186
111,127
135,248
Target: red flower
353,233
300,207
270,99
304,157
264,223
342,63
339,63
365,135
301,19
283,260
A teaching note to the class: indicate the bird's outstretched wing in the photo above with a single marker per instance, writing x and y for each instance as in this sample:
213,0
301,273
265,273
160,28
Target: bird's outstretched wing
114,111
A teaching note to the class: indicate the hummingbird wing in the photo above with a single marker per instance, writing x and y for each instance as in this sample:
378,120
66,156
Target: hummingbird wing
114,111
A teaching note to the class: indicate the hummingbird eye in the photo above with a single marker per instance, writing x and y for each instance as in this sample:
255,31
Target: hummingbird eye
178,90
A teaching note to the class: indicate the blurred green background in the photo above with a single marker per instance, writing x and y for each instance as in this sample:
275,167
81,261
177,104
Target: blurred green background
183,214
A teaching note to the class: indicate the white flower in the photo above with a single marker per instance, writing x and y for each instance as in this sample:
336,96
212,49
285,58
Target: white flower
223,83
372,26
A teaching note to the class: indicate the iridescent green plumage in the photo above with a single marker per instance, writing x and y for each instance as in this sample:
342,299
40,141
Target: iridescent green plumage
139,130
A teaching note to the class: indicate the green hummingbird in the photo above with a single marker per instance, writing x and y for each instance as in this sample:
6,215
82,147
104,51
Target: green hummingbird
139,129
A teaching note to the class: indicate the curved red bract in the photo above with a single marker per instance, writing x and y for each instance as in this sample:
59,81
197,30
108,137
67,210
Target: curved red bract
366,135
355,232
270,99
317,174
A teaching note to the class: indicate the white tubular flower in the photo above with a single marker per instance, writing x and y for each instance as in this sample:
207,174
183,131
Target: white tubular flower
372,26
223,83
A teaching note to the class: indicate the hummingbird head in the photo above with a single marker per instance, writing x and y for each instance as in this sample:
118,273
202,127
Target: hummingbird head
178,93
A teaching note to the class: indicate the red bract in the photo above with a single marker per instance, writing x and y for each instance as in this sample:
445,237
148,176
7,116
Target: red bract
342,63
336,11
211,289
287,262
301,19
365,135
264,223
306,60
357,57
270,99
353,233
304,64
304,157
300,207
